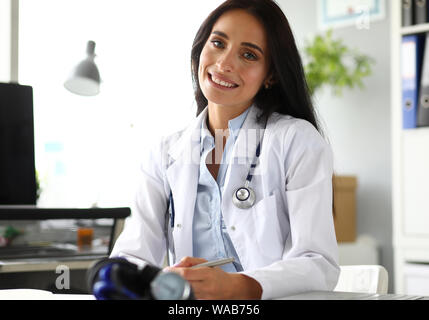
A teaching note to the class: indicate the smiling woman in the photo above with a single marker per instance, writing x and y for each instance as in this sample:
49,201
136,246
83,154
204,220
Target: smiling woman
230,71
230,63
212,191
285,76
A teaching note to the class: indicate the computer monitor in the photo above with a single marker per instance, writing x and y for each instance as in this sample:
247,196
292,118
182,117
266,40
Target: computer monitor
17,166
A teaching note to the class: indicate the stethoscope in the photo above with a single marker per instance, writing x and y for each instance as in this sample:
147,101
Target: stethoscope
243,197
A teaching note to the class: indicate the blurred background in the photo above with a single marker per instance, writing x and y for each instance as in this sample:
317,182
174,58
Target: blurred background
88,148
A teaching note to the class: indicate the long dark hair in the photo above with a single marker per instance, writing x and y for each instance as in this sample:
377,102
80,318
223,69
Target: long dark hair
289,94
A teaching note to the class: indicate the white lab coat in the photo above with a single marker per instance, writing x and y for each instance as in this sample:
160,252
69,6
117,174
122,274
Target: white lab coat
286,241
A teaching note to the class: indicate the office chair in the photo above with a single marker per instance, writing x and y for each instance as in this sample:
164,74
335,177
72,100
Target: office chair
363,278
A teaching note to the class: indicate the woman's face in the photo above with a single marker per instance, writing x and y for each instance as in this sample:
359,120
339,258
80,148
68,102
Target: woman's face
234,61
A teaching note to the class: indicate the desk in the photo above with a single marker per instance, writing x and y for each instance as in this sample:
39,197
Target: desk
43,265
35,294
43,273
333,295
58,226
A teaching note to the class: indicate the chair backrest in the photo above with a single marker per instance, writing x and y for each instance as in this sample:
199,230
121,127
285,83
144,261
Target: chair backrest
363,278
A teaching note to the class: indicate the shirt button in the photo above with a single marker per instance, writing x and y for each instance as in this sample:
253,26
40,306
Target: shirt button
233,228
179,225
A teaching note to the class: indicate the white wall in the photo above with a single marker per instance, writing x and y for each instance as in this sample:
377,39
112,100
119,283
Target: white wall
5,34
358,123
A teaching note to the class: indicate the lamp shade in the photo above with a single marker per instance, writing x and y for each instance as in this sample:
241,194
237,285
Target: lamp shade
85,78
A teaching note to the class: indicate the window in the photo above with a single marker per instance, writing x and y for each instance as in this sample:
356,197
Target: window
88,149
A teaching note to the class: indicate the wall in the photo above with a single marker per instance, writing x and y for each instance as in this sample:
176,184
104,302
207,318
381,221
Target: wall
358,123
5,34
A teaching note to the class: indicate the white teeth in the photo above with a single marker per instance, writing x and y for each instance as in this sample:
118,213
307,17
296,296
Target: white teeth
222,83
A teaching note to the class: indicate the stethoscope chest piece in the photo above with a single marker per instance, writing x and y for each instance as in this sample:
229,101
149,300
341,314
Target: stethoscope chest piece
244,198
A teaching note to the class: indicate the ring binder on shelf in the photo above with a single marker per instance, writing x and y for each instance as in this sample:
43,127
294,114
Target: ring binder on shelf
407,12
411,59
420,11
423,106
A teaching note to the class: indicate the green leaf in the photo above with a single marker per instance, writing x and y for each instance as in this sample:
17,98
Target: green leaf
326,64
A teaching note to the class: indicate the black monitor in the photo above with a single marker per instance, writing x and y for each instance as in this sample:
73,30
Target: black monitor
17,166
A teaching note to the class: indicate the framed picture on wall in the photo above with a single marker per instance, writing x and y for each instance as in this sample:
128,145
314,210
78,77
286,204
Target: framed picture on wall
343,13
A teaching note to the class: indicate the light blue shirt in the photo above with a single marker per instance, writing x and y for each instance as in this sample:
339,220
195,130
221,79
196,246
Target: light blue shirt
210,237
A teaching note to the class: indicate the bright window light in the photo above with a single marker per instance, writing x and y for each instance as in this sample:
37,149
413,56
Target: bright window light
88,149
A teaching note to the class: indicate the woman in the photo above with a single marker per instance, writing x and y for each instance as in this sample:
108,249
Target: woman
256,128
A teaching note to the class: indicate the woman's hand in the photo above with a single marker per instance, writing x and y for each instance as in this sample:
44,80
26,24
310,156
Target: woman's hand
187,262
214,283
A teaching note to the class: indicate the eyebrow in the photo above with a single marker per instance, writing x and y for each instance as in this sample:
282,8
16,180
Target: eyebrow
247,44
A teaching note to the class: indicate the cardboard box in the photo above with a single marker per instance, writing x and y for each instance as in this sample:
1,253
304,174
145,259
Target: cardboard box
345,207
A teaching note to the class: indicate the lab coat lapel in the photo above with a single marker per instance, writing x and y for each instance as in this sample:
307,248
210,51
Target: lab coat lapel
182,176
242,156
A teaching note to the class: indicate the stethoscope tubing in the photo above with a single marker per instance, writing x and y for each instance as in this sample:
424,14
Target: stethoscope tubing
246,203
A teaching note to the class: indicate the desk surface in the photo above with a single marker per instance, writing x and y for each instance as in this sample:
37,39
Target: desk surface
331,295
45,264
35,294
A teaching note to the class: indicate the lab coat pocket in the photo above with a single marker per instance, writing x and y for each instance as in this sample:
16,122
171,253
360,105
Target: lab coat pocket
267,227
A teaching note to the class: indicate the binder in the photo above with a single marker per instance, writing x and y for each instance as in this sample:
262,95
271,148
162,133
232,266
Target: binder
407,12
411,59
420,11
423,106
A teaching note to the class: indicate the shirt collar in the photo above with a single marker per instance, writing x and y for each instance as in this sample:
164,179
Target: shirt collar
234,126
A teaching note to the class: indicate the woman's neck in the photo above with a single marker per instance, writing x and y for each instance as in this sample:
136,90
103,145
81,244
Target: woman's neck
218,116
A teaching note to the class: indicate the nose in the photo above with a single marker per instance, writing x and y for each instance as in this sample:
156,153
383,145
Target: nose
225,62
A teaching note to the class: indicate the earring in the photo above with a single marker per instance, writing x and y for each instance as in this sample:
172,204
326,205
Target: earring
267,86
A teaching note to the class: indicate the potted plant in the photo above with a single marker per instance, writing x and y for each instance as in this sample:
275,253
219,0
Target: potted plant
329,62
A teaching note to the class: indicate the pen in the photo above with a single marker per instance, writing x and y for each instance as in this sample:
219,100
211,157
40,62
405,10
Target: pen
214,263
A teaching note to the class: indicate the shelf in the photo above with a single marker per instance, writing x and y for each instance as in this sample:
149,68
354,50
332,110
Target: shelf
420,28
410,167
422,131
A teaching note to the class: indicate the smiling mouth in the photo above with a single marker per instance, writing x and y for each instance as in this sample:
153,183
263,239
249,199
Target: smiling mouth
219,82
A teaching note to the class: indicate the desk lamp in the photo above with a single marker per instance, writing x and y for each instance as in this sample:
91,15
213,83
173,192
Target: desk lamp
85,78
